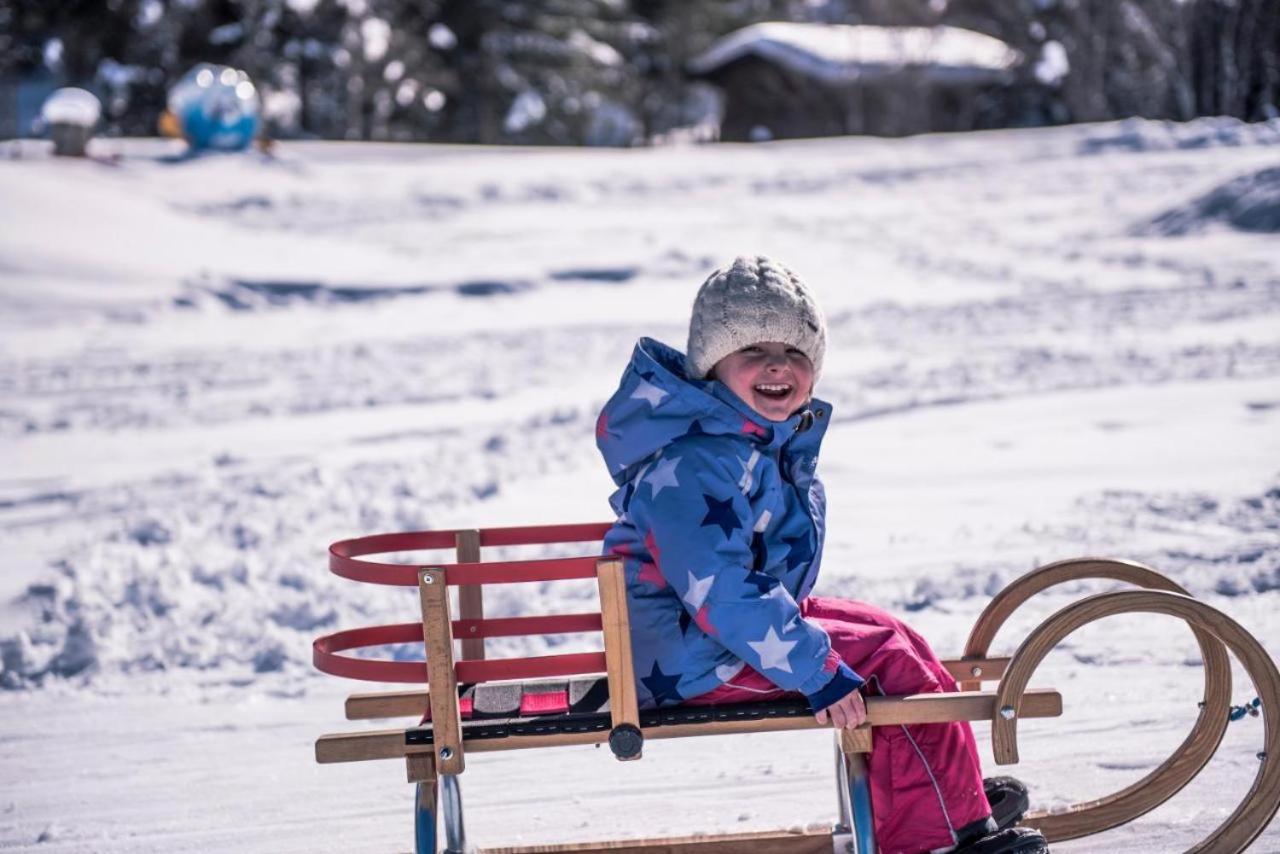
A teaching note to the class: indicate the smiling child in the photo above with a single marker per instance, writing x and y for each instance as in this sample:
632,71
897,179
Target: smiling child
721,520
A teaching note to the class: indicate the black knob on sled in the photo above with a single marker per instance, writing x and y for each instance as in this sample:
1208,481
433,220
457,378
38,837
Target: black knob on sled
626,741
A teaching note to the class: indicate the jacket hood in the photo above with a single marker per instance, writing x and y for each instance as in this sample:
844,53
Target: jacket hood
657,403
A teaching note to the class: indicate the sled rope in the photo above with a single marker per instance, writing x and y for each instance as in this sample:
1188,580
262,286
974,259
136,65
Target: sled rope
1250,709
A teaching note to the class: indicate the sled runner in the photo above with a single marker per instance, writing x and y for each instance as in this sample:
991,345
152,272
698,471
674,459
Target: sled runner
475,704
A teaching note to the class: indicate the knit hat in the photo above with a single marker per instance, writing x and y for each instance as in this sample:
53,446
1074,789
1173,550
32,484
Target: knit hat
754,300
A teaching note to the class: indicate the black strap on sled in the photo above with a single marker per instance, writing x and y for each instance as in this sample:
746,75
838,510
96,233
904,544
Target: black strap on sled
495,712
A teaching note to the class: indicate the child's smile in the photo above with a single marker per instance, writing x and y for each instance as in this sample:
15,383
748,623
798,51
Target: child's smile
772,378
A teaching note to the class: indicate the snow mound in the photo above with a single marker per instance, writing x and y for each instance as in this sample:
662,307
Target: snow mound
1249,202
251,295
224,574
1210,132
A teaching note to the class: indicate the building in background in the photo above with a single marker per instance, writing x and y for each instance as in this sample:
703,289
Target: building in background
787,80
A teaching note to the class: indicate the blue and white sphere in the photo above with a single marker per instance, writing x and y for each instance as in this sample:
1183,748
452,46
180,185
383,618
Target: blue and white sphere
216,107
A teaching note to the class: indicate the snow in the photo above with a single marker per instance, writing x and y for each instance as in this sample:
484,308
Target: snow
1053,64
71,107
526,110
211,368
837,53
375,34
441,37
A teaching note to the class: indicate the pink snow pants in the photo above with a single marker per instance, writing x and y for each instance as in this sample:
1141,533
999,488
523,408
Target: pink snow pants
925,778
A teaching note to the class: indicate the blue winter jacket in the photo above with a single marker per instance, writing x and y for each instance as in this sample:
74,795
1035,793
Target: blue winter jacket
720,526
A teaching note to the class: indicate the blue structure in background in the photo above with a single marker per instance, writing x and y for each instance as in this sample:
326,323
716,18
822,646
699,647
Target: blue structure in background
216,108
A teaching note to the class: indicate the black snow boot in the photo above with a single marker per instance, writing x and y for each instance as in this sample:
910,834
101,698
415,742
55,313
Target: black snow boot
998,833
1011,840
1008,799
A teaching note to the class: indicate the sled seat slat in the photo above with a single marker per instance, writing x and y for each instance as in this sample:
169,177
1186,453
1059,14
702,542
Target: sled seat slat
881,711
413,703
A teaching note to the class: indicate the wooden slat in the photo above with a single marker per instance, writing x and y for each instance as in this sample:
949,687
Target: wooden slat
420,767
988,670
470,596
361,746
881,711
623,705
809,841
856,740
397,704
437,631
392,704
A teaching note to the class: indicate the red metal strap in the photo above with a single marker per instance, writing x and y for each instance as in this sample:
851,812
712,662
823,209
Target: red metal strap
324,654
406,541
505,627
325,657
344,556
344,561
508,572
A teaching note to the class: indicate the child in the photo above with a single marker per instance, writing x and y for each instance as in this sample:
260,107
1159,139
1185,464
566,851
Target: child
721,522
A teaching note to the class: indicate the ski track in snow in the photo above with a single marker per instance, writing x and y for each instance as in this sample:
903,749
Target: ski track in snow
1018,376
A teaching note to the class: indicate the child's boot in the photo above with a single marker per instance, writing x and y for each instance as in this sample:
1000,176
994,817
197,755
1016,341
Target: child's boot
1008,799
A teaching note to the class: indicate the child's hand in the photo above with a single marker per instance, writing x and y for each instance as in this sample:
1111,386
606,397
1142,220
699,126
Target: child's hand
847,712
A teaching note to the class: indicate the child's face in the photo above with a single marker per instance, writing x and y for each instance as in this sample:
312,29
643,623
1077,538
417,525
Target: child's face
773,379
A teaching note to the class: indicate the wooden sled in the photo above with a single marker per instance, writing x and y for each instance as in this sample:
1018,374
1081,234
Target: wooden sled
602,709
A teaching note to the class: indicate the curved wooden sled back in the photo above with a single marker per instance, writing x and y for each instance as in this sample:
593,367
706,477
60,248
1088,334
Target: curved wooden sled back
1212,629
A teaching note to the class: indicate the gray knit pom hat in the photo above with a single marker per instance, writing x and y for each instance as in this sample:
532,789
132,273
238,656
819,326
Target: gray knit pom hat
753,300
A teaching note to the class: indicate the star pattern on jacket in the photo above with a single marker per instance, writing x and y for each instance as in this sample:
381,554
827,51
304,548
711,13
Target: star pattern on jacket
698,589
663,475
650,572
649,392
800,551
695,429
602,427
662,685
748,478
720,513
762,582
725,672
760,549
774,652
703,619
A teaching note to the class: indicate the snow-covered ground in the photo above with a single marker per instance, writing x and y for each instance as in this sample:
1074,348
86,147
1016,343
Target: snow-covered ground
212,368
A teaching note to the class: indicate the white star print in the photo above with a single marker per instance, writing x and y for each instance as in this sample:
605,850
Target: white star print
663,475
748,479
773,651
650,392
698,590
725,672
